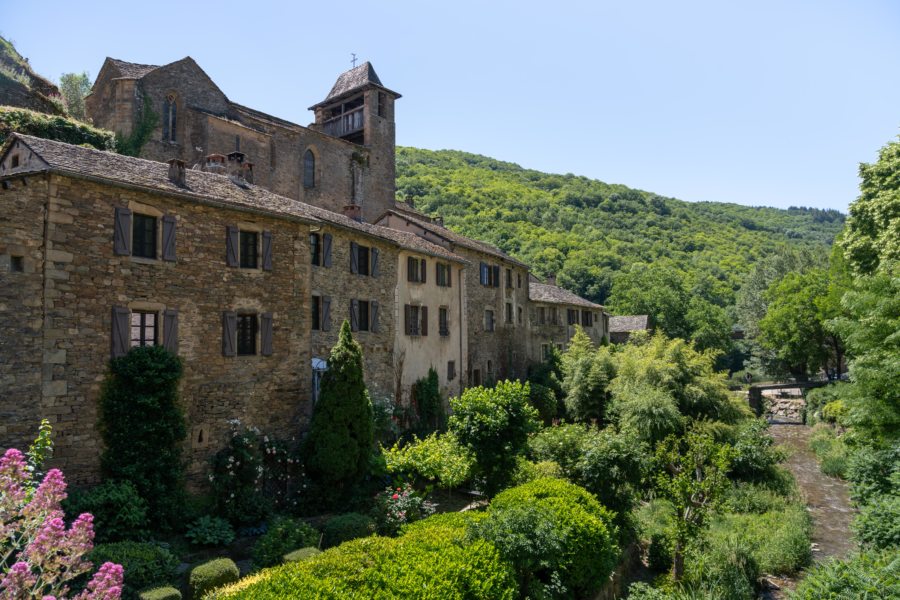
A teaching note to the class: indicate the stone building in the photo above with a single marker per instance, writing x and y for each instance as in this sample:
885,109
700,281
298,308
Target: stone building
621,327
496,300
555,313
103,252
346,155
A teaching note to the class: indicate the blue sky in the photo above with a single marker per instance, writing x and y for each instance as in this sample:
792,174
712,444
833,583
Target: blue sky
760,103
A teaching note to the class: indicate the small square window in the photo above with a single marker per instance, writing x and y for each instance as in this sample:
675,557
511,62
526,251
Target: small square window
143,236
16,264
247,326
249,249
143,328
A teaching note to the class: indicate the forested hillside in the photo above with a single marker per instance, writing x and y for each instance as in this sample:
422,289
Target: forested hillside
587,231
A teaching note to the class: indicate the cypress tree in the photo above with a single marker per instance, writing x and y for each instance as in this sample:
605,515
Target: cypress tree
341,434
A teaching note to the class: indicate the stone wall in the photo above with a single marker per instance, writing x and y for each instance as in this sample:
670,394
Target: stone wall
85,280
559,332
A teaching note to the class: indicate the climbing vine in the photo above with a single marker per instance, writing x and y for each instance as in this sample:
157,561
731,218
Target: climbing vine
134,143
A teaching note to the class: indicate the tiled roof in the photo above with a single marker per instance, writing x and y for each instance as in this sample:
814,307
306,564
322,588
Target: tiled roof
628,323
544,292
355,79
202,186
130,70
456,238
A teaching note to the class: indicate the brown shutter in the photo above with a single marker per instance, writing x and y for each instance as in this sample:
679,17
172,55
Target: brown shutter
410,268
407,321
229,333
326,250
170,330
232,241
121,330
265,334
424,312
373,316
424,270
374,270
326,313
168,237
122,231
449,275
354,315
354,257
267,250
496,269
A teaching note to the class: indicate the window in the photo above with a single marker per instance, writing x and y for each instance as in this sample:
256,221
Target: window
363,260
554,315
489,320
15,161
476,377
545,351
361,313
316,313
143,236
542,315
143,329
237,143
309,169
415,319
490,368
416,269
444,321
382,104
443,274
520,315
573,316
16,264
246,334
509,313
168,118
249,254
490,275
509,280
587,318
315,248
518,280
451,370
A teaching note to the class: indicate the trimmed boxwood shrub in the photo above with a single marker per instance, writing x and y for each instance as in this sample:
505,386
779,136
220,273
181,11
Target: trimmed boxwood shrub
211,575
120,513
301,554
346,527
583,529
161,593
146,565
284,535
431,561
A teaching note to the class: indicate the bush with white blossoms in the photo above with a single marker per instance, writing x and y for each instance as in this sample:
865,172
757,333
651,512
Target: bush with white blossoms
254,475
39,555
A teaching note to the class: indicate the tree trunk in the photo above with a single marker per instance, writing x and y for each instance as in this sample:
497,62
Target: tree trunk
678,561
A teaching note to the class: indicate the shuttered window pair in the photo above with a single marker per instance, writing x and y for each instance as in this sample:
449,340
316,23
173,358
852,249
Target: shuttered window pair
489,275
320,249
416,270
364,315
415,319
242,248
587,318
141,328
321,313
572,316
442,272
135,234
363,260
241,331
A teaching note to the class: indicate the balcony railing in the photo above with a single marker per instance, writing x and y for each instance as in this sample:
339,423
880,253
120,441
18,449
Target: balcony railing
345,124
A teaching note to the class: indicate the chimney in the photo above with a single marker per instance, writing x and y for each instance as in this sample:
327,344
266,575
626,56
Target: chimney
214,163
439,221
235,164
176,172
247,172
353,211
551,279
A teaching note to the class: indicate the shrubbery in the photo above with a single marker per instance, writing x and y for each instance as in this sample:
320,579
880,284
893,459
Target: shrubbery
210,531
61,129
612,467
831,451
755,458
867,575
877,526
395,507
438,459
284,535
211,575
346,527
161,593
120,513
146,564
563,444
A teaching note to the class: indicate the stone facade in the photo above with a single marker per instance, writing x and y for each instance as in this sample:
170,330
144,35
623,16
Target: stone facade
194,118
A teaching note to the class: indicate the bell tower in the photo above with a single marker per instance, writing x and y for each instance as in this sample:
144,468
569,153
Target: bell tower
360,109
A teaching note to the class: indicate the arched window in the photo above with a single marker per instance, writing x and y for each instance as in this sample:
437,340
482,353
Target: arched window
168,118
309,169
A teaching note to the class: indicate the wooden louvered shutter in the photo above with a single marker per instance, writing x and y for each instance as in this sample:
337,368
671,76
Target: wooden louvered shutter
354,257
229,333
373,316
449,270
265,334
424,312
121,330
168,237
232,241
326,250
326,313
354,315
407,321
423,269
496,269
410,268
267,250
122,231
170,330
374,270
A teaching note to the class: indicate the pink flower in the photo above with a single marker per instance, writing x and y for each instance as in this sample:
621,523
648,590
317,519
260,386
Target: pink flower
394,497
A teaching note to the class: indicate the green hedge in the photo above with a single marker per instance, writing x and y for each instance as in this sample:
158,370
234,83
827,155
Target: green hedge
346,527
61,129
146,565
301,554
211,575
161,593
284,535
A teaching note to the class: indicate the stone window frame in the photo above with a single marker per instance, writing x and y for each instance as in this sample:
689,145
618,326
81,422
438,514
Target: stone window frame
162,221
490,321
451,370
166,325
310,177
260,231
170,118
245,318
143,327
149,248
443,274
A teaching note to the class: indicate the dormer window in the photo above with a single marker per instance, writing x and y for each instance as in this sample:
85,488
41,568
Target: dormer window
169,119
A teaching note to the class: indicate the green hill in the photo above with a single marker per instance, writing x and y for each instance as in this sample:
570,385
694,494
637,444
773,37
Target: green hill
587,232
20,86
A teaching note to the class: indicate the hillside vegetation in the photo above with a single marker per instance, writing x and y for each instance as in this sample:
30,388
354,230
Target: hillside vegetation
21,86
588,232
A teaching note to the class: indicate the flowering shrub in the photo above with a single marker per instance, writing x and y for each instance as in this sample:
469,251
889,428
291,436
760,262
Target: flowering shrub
396,506
39,555
254,475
